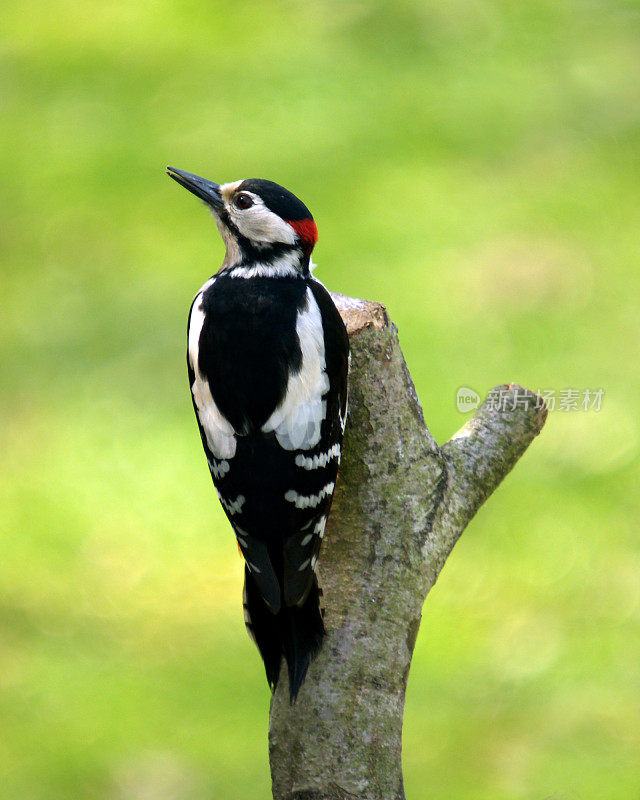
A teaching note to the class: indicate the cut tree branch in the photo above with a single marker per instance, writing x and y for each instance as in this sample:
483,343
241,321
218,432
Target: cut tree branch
401,504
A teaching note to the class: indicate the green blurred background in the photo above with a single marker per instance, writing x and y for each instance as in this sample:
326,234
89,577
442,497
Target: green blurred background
471,163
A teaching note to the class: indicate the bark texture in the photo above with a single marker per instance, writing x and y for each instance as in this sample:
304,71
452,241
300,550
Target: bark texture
401,504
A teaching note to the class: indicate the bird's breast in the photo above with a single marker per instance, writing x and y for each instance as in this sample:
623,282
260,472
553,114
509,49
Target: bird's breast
248,345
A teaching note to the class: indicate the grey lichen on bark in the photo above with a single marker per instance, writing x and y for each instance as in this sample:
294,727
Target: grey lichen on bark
401,504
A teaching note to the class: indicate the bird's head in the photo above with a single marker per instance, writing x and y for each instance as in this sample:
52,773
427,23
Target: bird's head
265,227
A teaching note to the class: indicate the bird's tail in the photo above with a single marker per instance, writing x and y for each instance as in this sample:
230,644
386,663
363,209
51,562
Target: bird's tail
294,632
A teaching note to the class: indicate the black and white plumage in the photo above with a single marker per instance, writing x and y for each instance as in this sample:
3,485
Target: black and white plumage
268,361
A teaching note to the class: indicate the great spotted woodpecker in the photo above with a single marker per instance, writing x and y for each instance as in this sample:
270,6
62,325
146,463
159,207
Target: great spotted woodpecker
268,360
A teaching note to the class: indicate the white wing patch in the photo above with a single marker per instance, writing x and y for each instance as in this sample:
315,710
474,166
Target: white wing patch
218,430
319,460
218,468
232,506
308,500
297,420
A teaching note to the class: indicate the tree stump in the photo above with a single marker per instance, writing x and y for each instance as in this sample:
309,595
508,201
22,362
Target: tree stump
401,504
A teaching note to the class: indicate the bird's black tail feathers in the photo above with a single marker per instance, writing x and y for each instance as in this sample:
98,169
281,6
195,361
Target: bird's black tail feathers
294,632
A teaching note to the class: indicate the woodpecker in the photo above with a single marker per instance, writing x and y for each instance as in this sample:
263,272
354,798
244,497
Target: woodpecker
268,358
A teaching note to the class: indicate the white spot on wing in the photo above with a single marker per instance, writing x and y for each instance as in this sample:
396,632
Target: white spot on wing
232,506
308,500
343,420
298,418
218,468
319,460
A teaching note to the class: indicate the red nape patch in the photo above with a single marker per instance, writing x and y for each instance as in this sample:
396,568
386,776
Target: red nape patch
307,231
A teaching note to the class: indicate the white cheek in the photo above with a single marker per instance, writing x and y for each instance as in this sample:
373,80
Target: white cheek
261,225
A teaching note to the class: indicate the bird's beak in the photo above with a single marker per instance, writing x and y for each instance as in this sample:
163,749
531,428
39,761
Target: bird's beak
201,187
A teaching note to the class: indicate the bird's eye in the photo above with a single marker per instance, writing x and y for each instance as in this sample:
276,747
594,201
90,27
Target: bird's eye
243,201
